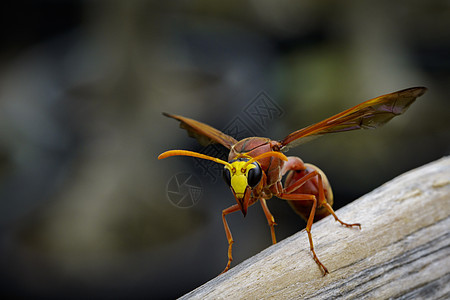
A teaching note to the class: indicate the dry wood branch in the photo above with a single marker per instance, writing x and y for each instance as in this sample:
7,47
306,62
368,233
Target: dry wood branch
403,249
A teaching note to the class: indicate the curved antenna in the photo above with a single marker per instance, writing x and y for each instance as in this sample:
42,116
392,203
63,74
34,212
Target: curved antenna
193,154
267,154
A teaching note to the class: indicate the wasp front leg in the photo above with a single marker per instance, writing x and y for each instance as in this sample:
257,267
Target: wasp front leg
225,212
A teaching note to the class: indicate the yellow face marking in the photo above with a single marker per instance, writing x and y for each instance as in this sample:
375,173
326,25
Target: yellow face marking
239,172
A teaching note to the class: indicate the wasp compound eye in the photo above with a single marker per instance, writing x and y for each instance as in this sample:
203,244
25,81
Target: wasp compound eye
254,175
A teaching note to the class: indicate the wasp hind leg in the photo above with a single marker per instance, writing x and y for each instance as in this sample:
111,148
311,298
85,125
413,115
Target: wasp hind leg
308,186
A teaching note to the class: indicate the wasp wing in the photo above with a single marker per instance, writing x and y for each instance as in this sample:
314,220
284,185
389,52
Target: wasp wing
367,115
204,133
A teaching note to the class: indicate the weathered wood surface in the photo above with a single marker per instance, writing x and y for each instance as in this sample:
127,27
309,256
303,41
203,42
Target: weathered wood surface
402,251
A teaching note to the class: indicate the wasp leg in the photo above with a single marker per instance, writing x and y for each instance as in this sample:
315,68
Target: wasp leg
306,197
289,194
270,219
330,209
225,212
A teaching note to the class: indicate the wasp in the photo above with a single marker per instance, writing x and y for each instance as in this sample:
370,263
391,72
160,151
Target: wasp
256,166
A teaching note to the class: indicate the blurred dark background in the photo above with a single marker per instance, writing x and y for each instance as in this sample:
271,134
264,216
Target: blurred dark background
84,203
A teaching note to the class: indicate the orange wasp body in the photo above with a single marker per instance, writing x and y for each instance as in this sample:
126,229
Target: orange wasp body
256,165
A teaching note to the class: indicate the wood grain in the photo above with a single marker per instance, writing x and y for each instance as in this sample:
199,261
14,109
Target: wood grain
402,251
